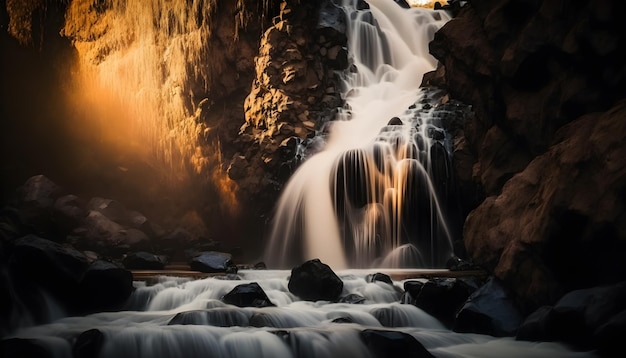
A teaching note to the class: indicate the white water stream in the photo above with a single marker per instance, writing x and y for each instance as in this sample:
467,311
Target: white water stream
294,328
366,199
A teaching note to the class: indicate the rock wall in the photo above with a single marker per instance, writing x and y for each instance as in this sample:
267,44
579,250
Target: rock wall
294,93
545,147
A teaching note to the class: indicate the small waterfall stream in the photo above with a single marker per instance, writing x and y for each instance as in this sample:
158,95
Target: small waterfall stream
369,197
178,317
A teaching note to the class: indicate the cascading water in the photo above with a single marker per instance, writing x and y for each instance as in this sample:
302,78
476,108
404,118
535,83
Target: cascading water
181,318
368,197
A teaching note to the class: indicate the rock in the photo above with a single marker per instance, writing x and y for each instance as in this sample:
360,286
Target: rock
218,317
260,266
609,338
402,4
247,295
314,281
103,235
35,201
68,213
106,286
395,121
112,209
352,299
379,277
144,261
490,310
212,261
393,344
538,326
43,263
88,344
443,297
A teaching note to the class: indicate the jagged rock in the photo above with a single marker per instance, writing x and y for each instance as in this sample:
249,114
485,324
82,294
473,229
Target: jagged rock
144,261
212,261
395,121
106,286
247,295
314,281
393,344
490,310
537,83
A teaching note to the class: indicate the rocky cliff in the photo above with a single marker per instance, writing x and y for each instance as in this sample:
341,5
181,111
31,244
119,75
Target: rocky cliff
541,163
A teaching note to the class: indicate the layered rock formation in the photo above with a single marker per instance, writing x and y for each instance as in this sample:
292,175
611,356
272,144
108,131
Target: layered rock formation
545,149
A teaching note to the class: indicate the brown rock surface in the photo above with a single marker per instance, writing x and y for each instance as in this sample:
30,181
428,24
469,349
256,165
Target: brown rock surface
545,147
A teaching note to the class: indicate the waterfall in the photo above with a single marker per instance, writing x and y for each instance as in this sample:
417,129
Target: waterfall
369,197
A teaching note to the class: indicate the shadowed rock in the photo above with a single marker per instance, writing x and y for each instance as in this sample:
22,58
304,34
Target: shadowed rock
247,295
314,281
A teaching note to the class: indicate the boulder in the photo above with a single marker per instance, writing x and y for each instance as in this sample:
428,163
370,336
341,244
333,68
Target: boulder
247,295
58,269
144,261
218,317
68,213
314,281
88,344
212,262
490,310
106,286
381,277
393,344
443,297
352,299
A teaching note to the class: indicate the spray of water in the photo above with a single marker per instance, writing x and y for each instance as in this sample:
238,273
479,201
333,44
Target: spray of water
367,198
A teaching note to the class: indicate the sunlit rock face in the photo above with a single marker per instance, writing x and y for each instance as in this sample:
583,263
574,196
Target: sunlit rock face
293,94
534,73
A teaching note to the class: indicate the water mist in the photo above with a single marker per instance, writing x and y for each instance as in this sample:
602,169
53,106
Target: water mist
367,198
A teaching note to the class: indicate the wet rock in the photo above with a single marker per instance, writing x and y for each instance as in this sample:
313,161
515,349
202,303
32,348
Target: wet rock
402,4
144,261
538,326
219,317
314,281
443,297
247,295
393,344
43,263
490,310
106,286
88,344
212,261
379,277
395,121
352,299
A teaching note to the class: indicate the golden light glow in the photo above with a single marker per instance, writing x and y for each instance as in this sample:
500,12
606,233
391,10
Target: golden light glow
143,67
426,3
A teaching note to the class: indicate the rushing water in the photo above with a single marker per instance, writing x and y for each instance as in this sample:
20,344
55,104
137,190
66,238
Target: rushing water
368,198
293,328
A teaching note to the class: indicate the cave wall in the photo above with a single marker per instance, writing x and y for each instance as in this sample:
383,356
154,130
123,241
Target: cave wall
542,159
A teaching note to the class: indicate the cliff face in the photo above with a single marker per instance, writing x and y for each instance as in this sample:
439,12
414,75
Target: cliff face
545,149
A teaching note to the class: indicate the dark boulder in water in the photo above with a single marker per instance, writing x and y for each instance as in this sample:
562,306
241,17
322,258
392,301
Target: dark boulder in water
586,319
443,297
212,262
144,261
381,277
352,299
490,310
393,344
106,286
247,295
314,281
88,344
